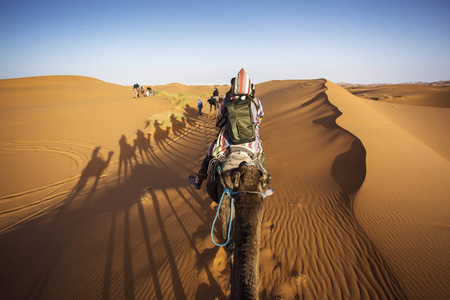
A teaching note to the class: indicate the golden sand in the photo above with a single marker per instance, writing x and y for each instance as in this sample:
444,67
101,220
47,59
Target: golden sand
360,209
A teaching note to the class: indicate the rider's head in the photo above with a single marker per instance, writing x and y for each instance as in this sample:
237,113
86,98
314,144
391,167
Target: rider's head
242,84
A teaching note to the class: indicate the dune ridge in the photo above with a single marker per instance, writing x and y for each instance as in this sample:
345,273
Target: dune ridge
112,215
316,246
402,204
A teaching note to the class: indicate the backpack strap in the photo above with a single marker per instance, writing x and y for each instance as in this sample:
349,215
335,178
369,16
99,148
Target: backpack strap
252,99
231,119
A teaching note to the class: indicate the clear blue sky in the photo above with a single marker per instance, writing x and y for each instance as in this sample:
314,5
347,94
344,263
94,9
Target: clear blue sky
207,42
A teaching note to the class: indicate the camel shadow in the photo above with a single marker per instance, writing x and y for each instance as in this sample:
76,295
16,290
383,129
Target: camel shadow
177,126
55,238
143,144
126,157
160,135
94,169
191,114
213,289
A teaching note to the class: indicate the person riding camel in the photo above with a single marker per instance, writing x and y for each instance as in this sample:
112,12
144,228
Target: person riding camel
214,100
239,116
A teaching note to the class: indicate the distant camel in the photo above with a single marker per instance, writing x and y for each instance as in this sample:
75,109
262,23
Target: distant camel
248,185
136,92
213,102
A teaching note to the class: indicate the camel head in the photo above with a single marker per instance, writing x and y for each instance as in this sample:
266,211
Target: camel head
248,178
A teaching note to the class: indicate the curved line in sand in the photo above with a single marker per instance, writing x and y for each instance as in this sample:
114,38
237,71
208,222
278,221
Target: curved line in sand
53,146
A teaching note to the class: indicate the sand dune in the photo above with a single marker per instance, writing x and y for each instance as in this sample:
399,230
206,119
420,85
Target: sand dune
359,209
403,203
432,96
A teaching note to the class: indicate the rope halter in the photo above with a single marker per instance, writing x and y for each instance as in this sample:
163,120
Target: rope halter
229,193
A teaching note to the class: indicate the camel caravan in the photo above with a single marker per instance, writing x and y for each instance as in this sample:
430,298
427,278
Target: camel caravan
141,91
237,179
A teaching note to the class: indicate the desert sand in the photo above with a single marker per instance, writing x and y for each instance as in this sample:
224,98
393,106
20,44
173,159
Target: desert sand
360,209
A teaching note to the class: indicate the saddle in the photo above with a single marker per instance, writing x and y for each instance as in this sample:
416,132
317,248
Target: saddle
232,158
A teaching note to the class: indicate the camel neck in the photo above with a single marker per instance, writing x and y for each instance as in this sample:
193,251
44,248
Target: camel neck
249,209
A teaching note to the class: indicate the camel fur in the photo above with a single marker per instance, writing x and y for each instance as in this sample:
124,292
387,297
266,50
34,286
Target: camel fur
245,242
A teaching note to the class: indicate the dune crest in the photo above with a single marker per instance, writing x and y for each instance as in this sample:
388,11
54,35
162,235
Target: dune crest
403,203
312,246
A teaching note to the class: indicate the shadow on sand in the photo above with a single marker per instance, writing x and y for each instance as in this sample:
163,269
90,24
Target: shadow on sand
34,256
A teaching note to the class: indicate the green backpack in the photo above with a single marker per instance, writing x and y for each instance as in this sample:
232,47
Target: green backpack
239,118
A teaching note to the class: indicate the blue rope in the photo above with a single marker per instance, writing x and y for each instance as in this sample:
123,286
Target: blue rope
225,192
249,192
230,193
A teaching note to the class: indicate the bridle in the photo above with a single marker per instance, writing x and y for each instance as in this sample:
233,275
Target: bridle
229,193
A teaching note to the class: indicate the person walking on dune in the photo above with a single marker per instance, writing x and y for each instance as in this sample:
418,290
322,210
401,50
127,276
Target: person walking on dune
200,106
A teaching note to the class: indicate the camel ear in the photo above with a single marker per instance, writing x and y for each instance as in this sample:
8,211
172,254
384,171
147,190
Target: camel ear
236,179
265,178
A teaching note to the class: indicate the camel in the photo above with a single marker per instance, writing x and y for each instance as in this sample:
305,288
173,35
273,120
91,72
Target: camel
136,92
248,186
213,102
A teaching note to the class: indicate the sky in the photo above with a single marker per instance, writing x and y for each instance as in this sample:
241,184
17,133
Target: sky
208,42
